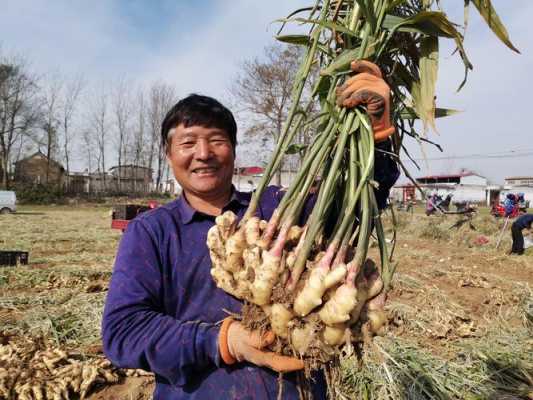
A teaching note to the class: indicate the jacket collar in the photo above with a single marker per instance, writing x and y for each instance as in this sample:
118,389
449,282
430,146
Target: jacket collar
187,212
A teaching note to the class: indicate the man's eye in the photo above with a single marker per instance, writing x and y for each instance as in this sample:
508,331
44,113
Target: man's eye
187,144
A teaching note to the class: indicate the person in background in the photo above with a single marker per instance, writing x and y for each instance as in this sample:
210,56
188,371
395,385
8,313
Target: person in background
509,203
521,223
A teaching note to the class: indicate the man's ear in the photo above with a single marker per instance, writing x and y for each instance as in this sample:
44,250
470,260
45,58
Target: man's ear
166,147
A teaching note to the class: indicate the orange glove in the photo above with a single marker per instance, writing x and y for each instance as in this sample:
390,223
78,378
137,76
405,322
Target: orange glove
368,88
235,343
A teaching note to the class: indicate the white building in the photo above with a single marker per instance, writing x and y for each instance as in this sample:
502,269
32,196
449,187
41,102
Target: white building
523,181
465,186
519,184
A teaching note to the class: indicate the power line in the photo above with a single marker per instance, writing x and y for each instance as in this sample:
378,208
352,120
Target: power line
482,156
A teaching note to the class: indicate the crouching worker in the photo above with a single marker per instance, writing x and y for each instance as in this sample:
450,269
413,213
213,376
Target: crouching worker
521,223
164,312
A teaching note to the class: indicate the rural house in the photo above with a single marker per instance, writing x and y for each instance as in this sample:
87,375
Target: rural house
519,184
246,179
124,179
465,186
130,179
38,169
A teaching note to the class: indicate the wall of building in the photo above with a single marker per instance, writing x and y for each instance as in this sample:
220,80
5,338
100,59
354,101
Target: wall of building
473,180
470,193
34,170
132,172
522,181
248,183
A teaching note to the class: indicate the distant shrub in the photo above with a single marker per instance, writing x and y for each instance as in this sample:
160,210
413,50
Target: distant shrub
432,230
40,194
160,195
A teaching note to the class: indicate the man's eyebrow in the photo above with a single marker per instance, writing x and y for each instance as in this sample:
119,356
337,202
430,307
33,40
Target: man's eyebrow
186,135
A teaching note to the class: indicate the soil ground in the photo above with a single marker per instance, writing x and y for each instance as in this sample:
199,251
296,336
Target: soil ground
451,284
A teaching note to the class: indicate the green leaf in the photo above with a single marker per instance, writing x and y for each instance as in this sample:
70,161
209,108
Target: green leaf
322,87
295,148
325,49
401,76
301,40
410,113
395,4
466,15
368,12
326,24
293,13
424,91
433,23
493,21
343,60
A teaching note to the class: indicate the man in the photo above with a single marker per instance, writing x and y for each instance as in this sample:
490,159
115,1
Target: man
163,309
521,223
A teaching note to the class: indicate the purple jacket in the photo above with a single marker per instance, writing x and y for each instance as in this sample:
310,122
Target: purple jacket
163,308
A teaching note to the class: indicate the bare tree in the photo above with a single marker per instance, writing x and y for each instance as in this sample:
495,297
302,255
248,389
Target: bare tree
162,96
71,94
51,98
88,146
138,151
262,91
99,122
121,108
18,109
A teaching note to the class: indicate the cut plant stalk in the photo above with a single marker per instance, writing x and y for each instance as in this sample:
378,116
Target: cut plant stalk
285,139
314,283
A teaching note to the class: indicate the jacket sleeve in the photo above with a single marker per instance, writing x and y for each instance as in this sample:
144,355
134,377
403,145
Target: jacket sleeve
386,172
136,333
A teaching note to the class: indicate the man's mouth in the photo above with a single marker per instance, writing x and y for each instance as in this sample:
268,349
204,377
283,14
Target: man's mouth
205,170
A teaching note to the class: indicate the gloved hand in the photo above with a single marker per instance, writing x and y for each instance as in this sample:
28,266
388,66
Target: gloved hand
368,88
239,344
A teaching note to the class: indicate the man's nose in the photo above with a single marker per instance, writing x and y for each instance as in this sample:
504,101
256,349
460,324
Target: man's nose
203,150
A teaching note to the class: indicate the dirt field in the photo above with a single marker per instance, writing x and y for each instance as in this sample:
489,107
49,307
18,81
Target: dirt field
461,312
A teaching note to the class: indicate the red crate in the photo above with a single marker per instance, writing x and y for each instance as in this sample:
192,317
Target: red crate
119,224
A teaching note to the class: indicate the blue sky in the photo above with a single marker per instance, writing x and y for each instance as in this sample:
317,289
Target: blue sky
198,45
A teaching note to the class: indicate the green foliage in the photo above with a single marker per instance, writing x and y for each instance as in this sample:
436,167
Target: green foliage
492,19
433,230
39,194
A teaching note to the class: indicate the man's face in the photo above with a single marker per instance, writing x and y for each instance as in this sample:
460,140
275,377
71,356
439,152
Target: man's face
202,160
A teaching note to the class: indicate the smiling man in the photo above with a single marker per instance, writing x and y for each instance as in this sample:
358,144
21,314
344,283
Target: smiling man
164,312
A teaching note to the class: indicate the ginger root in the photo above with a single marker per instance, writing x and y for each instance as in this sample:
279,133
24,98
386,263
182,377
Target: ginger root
280,316
338,308
316,285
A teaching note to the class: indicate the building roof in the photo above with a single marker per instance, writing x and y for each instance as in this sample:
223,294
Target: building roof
130,165
41,154
451,176
404,185
251,170
519,177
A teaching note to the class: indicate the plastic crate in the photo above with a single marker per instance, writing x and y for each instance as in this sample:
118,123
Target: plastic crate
128,211
13,257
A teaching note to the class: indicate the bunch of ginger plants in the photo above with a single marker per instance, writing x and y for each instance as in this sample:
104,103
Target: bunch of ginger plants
313,284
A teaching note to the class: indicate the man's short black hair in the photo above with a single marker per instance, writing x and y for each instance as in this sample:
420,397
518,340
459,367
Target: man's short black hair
199,110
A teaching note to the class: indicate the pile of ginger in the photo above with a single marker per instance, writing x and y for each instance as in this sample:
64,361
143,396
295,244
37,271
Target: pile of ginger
331,304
